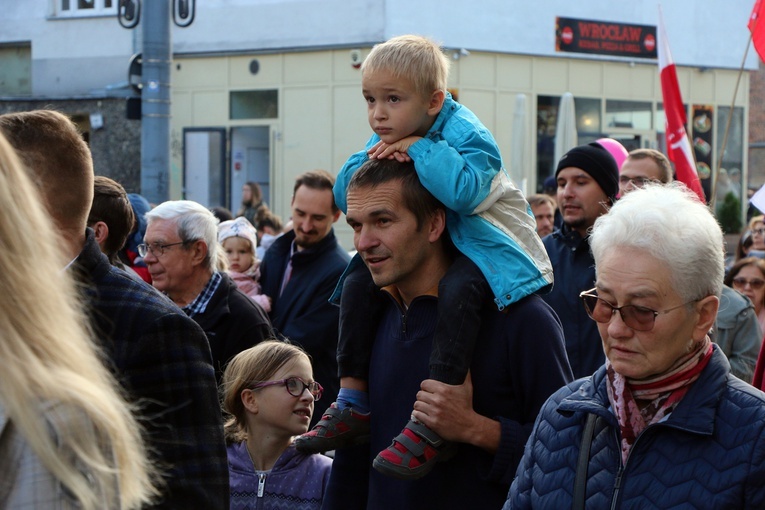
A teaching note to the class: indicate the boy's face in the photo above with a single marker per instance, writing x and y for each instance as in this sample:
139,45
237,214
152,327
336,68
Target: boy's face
395,109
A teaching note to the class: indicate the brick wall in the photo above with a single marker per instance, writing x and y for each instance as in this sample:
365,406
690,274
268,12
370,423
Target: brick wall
116,147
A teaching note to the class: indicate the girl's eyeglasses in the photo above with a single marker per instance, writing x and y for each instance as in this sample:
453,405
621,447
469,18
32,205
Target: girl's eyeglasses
295,386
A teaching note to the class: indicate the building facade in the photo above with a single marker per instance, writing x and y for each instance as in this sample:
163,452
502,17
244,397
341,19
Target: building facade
263,91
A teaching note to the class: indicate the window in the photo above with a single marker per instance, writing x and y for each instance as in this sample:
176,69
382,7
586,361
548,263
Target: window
254,104
629,114
81,8
16,63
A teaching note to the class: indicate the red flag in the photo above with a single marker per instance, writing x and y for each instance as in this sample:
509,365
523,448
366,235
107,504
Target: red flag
678,145
758,29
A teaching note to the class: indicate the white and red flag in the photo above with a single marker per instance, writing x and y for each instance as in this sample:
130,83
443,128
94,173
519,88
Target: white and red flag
678,145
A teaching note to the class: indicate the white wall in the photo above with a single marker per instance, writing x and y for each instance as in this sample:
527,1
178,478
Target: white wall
702,33
82,55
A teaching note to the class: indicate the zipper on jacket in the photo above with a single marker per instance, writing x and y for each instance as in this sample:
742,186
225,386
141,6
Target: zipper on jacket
261,484
617,486
623,467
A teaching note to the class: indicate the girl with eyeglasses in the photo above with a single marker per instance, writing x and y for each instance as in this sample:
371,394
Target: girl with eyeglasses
748,277
268,394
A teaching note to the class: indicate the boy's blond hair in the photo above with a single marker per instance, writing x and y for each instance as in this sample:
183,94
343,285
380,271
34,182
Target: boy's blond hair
413,57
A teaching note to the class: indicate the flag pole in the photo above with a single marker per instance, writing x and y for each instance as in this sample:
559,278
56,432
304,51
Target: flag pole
713,198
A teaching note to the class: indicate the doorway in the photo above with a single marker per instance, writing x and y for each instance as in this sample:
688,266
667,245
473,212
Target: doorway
204,165
250,162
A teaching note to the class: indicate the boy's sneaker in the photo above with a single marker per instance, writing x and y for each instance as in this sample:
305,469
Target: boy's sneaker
337,428
414,452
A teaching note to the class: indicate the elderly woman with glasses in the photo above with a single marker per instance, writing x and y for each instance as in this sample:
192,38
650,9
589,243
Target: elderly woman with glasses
268,394
662,424
748,277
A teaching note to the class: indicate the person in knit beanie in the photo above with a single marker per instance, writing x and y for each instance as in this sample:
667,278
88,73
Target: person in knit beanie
588,182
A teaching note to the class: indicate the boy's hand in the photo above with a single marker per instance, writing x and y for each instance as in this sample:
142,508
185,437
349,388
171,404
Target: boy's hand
396,150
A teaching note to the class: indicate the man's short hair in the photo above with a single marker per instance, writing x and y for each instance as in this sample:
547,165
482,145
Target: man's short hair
665,168
270,220
194,222
58,160
414,58
111,205
413,194
538,199
319,180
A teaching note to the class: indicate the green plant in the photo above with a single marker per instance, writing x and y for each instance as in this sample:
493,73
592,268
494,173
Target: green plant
729,214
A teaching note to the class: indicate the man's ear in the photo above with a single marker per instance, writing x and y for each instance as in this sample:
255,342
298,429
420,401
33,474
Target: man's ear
436,102
436,225
198,252
335,216
101,230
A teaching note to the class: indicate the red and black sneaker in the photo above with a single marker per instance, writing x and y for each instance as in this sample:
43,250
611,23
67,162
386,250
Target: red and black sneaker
414,452
337,428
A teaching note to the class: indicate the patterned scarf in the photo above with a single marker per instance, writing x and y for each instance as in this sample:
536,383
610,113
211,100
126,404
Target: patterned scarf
663,392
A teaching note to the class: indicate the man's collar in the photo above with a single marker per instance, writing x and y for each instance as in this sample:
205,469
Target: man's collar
396,294
199,304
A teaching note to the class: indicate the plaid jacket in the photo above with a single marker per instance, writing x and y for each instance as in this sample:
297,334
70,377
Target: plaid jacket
162,358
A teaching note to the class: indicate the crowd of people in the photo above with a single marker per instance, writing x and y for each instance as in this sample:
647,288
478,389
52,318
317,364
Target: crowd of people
482,349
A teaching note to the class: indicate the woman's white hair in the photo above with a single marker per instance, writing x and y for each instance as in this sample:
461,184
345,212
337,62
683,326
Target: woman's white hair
194,222
669,223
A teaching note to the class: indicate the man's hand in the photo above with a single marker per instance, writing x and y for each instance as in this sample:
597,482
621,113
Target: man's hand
448,410
396,150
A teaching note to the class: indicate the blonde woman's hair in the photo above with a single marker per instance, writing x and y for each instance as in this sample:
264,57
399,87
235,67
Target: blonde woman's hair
256,364
414,58
55,389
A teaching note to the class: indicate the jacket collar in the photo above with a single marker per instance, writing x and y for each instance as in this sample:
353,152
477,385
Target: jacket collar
309,254
695,413
447,110
571,238
91,262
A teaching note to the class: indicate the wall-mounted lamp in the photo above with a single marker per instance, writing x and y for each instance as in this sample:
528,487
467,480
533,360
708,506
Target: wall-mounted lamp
458,54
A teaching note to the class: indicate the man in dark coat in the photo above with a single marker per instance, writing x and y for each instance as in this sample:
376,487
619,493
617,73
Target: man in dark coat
588,180
300,271
160,356
181,250
519,360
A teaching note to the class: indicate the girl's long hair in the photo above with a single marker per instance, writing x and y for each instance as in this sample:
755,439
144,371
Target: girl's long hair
55,388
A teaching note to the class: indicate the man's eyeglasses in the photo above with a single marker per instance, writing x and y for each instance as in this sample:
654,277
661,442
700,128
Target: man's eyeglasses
635,317
156,249
638,182
754,283
295,386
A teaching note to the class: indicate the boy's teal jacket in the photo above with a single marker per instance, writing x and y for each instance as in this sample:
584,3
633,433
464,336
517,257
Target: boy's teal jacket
488,218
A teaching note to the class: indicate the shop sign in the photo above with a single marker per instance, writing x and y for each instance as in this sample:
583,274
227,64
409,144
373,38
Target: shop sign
605,38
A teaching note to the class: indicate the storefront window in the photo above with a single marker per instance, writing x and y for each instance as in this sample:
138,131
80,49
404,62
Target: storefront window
547,117
588,126
587,118
628,114
729,175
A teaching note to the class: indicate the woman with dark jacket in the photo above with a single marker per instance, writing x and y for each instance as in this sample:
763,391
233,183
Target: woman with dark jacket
662,424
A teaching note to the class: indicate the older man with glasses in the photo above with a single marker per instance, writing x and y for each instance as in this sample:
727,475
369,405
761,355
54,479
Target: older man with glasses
181,251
